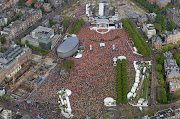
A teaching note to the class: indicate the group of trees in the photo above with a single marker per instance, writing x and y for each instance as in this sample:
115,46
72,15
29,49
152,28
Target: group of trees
51,22
77,26
66,22
177,57
3,40
36,49
160,23
67,65
150,7
136,37
121,81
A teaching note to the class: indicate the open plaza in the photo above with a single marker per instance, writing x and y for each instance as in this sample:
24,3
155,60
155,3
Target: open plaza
94,77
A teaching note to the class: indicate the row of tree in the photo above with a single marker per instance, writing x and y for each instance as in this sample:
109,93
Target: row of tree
150,7
136,37
121,81
169,47
159,68
177,57
77,26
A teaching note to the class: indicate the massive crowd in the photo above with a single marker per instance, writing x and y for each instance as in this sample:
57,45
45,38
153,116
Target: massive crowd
94,77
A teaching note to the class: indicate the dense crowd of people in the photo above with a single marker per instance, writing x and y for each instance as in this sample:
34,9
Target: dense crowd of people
94,77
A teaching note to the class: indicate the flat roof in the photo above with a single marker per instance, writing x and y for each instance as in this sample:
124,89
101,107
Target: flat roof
102,21
68,44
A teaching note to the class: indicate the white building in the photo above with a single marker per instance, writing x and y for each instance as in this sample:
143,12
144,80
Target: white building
6,114
149,29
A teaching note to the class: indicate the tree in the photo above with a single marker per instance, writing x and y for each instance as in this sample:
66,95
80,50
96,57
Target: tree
160,76
3,40
172,25
157,58
160,19
162,82
170,46
165,48
176,45
159,67
163,95
159,50
158,27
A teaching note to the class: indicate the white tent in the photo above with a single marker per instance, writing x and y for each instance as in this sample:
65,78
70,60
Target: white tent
137,75
109,101
137,80
130,94
102,44
133,89
121,57
78,55
134,95
135,85
138,71
114,59
68,92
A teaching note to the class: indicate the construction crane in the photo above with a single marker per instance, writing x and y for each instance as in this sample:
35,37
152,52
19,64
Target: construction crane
14,73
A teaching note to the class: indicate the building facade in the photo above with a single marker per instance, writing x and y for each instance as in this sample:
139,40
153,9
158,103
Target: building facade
174,14
8,60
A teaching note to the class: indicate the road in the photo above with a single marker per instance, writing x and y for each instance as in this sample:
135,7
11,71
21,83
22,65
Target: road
9,105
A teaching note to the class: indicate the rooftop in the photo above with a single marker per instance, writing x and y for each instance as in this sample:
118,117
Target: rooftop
68,44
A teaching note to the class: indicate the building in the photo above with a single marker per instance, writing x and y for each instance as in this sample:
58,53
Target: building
165,38
164,114
156,42
69,47
106,16
162,3
6,114
8,60
3,19
174,85
47,7
4,6
151,17
29,2
41,36
174,1
142,19
170,37
17,27
171,67
13,2
149,30
38,5
152,1
174,14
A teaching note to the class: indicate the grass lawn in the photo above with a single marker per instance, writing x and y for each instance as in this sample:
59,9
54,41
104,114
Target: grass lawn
146,89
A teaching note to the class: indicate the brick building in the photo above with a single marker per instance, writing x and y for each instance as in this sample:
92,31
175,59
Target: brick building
174,14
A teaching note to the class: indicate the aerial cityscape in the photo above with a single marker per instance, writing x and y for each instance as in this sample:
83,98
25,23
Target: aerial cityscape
89,59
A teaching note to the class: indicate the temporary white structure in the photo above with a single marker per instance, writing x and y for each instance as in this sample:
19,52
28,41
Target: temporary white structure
121,57
129,95
134,95
114,59
135,85
102,44
109,101
101,9
137,79
133,89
